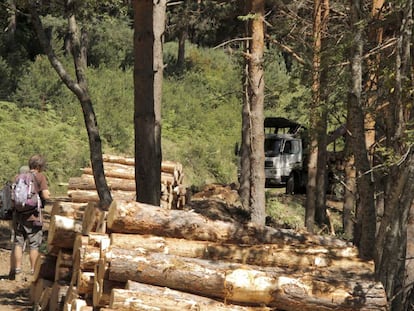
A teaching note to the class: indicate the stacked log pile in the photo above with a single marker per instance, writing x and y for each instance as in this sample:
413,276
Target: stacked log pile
152,258
120,176
137,256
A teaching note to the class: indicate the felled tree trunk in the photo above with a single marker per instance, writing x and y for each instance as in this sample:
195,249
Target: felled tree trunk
135,217
159,297
295,256
243,284
81,196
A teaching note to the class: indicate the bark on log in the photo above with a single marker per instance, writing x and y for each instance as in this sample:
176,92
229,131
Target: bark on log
166,166
87,182
115,170
243,284
62,231
295,256
140,218
122,297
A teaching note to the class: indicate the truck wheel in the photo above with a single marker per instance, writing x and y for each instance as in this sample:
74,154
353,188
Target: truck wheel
290,184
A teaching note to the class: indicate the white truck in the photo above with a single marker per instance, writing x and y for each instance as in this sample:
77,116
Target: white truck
285,154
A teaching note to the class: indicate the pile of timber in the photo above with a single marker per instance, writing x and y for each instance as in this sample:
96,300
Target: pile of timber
151,258
120,177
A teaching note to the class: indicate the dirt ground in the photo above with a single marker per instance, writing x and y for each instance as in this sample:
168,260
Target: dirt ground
14,295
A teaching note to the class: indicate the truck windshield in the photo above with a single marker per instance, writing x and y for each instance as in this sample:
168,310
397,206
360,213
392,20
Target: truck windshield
272,147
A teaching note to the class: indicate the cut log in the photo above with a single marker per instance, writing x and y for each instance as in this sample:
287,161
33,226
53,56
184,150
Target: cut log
70,296
87,250
161,297
68,209
135,217
63,270
115,170
44,301
166,166
36,289
78,304
85,196
102,286
87,182
45,268
85,282
295,256
286,289
90,218
62,231
57,296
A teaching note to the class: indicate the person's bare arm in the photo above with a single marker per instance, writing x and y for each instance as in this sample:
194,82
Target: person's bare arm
46,194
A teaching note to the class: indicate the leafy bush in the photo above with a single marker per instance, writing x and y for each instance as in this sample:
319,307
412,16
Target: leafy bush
26,131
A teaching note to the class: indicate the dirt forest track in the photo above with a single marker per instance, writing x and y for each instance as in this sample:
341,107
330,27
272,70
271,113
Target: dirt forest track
14,295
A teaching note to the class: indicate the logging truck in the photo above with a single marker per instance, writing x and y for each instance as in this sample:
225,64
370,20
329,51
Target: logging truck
285,150
286,155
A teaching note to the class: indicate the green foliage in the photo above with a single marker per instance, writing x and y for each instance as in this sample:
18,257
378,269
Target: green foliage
112,93
26,131
201,114
111,42
285,210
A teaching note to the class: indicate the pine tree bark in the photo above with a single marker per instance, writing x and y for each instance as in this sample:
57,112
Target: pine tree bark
365,230
255,94
148,27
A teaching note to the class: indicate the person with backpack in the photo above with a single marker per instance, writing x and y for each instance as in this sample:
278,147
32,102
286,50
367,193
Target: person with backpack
30,191
22,170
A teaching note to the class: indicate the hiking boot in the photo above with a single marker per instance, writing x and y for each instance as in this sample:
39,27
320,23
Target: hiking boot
13,273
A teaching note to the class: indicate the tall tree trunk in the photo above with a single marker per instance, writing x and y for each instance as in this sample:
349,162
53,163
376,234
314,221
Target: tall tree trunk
313,119
348,218
160,11
366,218
392,234
245,148
321,167
80,89
255,100
147,109
11,27
182,37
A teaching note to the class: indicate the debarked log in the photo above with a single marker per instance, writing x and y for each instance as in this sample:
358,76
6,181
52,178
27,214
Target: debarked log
302,255
286,289
135,217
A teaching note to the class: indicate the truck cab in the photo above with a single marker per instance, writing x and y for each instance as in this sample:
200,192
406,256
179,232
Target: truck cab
284,155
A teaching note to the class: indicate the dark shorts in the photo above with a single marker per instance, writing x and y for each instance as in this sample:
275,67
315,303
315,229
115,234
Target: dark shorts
26,230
